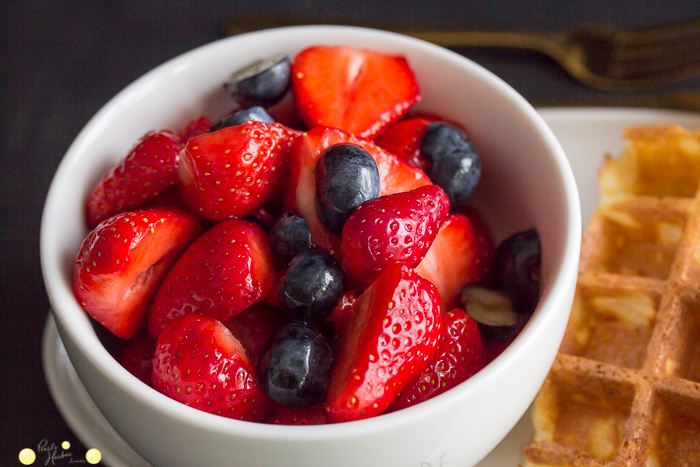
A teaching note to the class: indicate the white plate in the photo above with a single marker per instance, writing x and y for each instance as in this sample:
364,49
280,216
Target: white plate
585,135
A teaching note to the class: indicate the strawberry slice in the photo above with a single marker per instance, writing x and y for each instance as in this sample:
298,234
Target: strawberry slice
314,415
404,139
253,327
458,357
359,91
396,323
399,227
123,261
148,169
395,176
460,255
232,171
198,362
225,271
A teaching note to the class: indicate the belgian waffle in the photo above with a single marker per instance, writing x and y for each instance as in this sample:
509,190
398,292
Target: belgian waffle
624,389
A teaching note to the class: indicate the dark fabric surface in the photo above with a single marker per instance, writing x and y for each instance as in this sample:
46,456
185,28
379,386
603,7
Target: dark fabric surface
61,61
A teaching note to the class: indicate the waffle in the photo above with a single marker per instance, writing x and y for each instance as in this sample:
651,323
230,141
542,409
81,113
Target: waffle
624,389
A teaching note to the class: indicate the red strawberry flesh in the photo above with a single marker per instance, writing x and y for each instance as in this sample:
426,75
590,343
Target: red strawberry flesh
123,261
146,171
359,91
459,356
399,227
232,171
396,326
198,362
395,176
457,257
225,271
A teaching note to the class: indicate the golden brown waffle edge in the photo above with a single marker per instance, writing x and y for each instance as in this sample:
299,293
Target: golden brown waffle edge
624,389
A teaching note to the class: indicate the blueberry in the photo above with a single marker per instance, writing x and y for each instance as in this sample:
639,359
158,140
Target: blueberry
289,236
455,164
295,369
516,269
346,176
263,82
256,114
312,286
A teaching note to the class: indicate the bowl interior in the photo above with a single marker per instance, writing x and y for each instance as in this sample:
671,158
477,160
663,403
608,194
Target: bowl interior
526,179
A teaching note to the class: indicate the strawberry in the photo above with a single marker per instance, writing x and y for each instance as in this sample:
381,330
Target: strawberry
460,255
431,117
123,261
399,227
169,198
194,127
253,328
225,271
136,355
404,139
485,244
232,171
198,362
395,176
396,325
147,170
359,91
314,415
459,356
340,317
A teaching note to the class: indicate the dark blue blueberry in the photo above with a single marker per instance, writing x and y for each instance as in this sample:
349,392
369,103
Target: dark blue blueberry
455,164
289,236
346,176
295,369
263,82
516,269
312,286
256,114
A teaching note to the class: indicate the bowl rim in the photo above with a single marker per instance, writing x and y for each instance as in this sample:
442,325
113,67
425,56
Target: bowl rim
60,293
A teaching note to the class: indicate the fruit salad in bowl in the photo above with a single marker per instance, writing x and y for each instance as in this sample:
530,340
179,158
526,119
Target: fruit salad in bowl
313,246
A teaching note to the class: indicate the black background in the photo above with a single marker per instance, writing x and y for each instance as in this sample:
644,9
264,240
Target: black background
61,61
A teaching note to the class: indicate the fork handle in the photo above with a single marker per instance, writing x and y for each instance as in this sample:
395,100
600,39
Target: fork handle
538,42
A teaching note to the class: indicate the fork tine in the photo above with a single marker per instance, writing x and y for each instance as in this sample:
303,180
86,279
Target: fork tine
634,54
657,34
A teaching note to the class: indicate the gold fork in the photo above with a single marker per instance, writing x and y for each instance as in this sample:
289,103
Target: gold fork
598,56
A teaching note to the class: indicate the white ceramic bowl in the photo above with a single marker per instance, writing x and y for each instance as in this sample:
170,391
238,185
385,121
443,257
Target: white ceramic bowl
526,182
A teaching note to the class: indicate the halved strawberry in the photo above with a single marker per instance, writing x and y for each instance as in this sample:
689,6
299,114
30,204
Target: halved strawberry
194,127
404,139
148,169
123,261
225,271
458,256
395,176
396,325
232,171
198,362
314,415
253,328
399,227
458,357
433,117
359,91
340,317
136,356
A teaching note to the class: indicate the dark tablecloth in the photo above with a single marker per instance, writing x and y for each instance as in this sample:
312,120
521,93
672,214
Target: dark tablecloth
61,61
